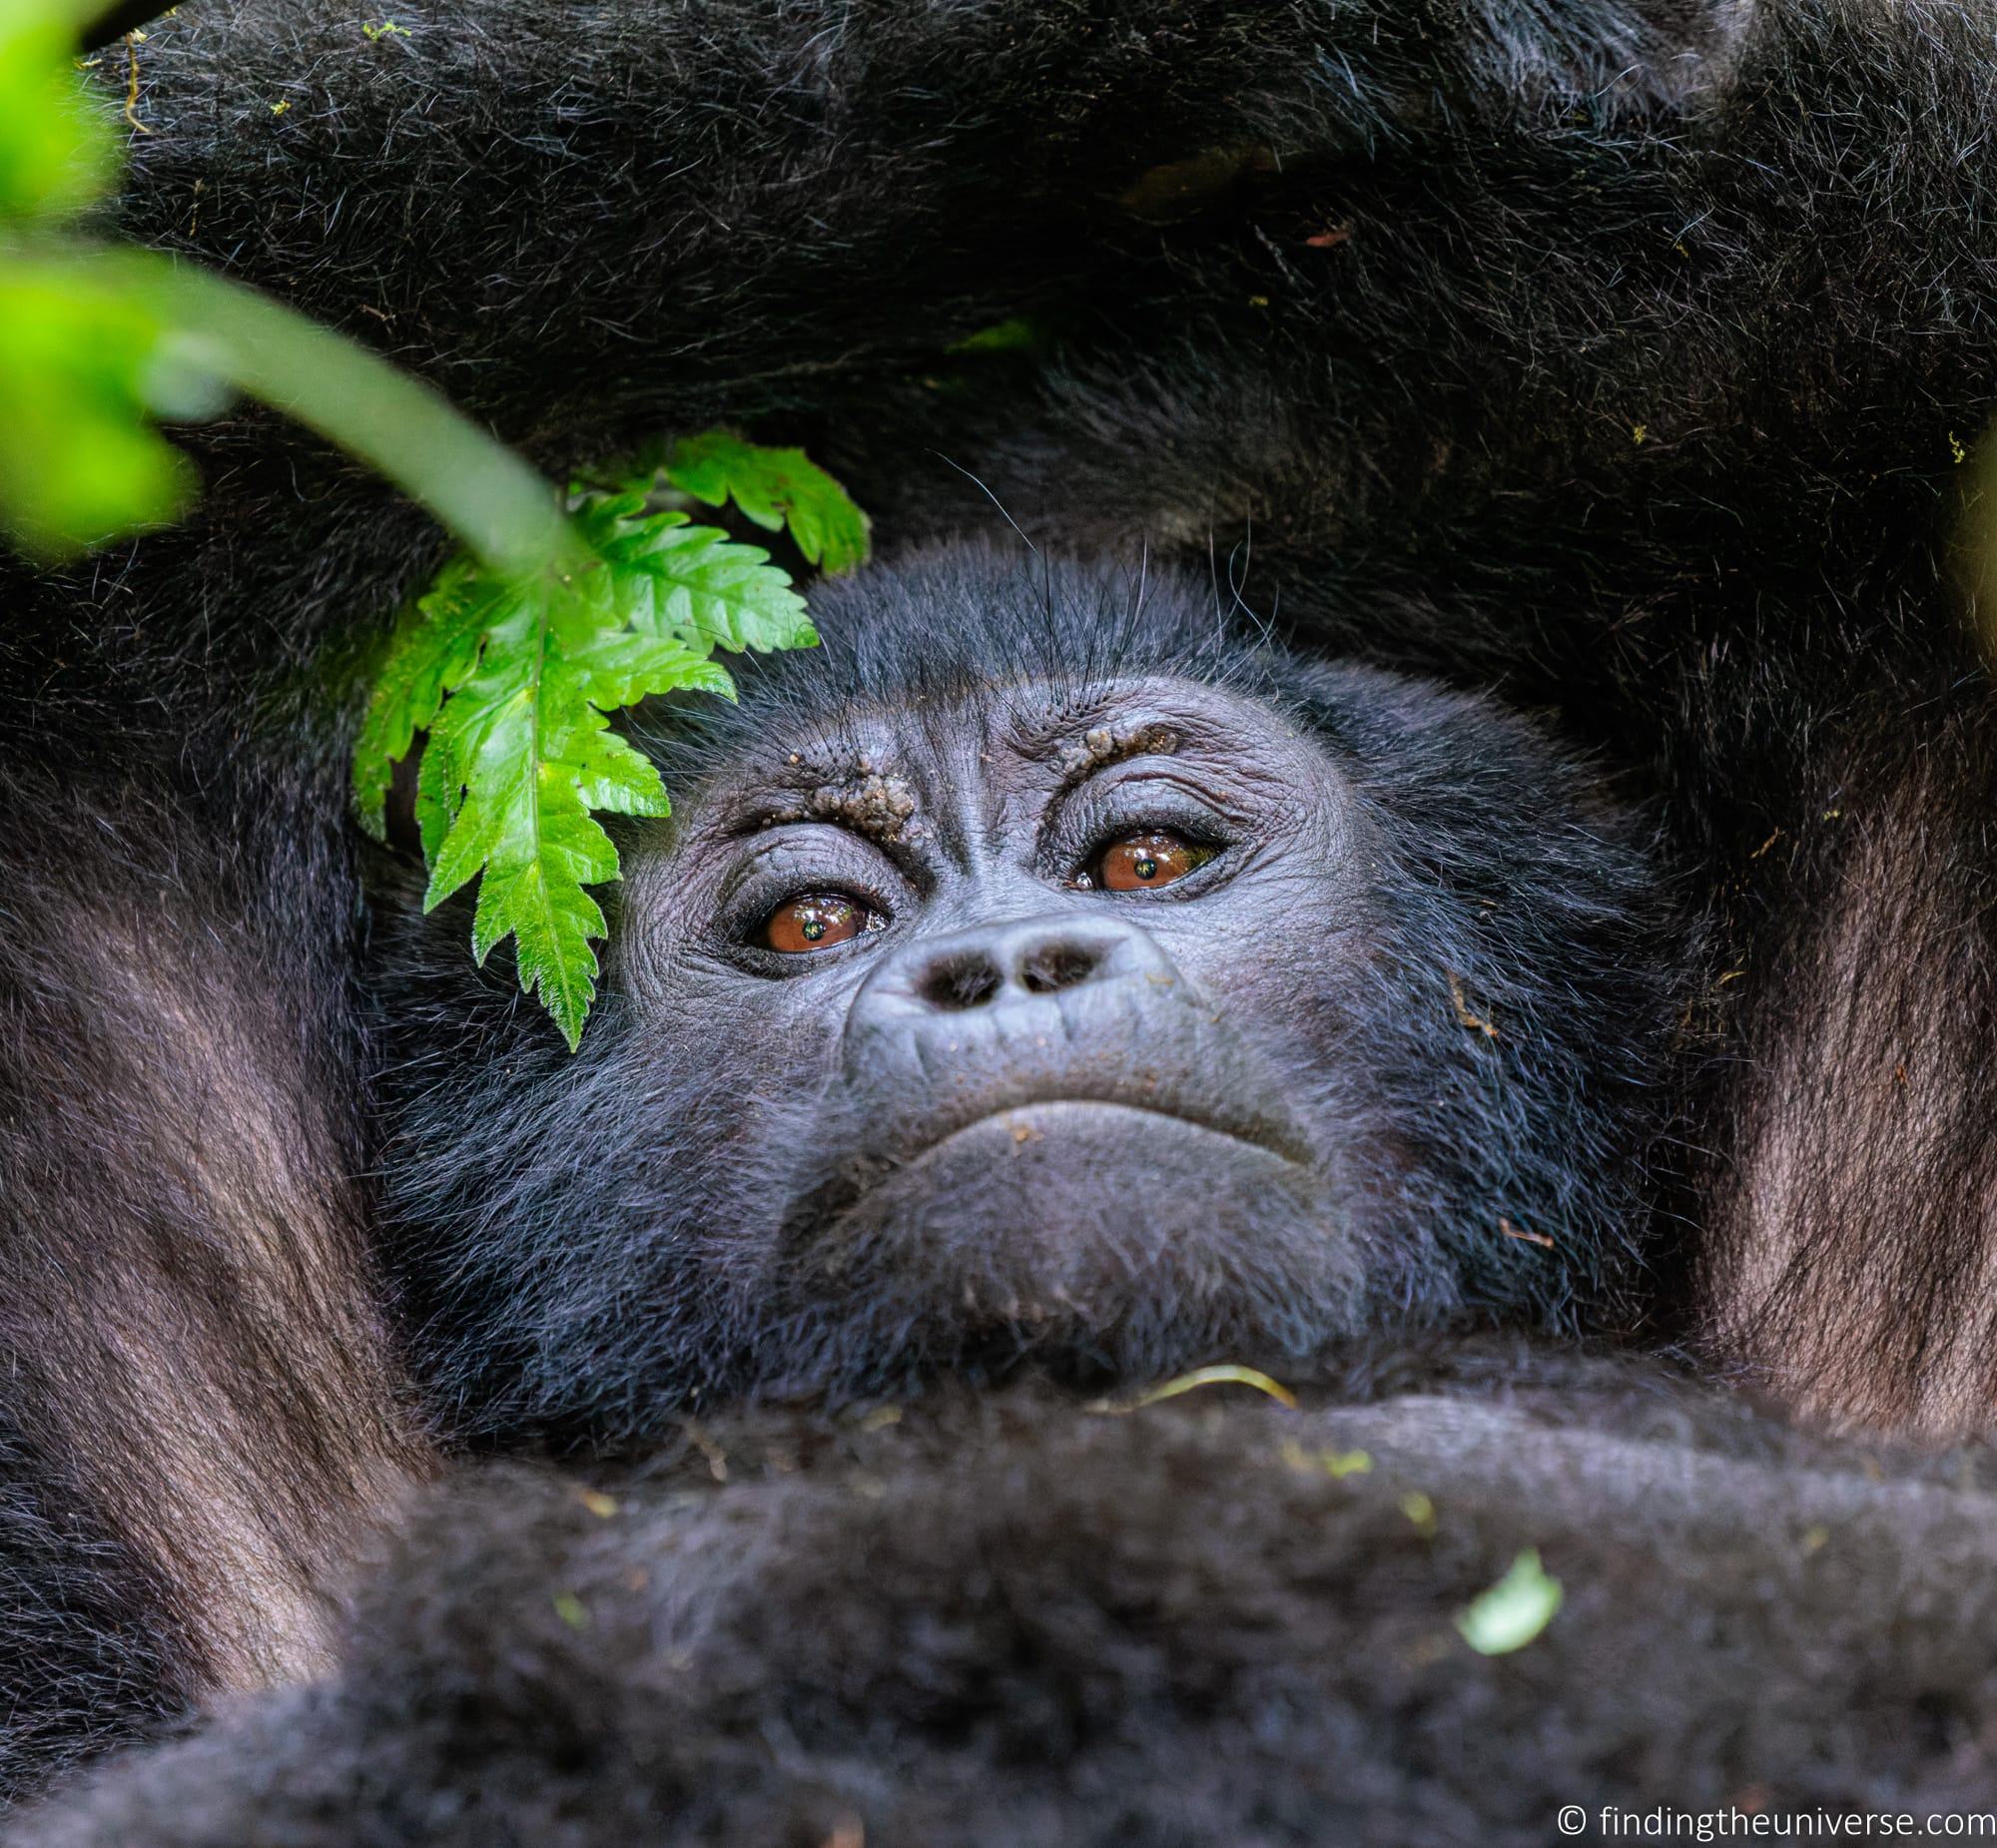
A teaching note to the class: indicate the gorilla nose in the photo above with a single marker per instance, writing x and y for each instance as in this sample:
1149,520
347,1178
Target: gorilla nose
996,965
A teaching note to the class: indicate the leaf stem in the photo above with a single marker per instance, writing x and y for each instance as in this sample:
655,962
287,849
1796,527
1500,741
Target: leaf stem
502,509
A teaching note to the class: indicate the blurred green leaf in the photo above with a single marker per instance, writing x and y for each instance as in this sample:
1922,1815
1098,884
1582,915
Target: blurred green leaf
58,150
93,340
82,365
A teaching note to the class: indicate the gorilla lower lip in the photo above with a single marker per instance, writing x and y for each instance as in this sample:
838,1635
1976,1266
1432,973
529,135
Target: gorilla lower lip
1105,1232
1070,1177
1032,1122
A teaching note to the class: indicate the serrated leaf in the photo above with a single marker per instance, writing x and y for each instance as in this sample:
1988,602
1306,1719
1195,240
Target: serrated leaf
440,796
671,578
434,648
513,680
611,777
775,488
623,667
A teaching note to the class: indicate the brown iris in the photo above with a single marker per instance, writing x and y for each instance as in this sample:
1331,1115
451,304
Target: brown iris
1140,862
816,922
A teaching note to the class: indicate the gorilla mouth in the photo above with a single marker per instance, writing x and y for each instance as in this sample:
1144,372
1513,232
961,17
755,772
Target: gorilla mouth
1116,1134
1040,1152
1073,1229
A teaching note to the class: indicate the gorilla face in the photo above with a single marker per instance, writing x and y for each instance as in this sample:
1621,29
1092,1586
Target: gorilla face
1023,999
1031,977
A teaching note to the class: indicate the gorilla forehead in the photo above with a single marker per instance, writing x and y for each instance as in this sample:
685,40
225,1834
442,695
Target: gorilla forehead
897,641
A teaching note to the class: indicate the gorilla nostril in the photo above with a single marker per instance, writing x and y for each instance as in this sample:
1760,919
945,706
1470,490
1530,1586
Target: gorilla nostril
958,982
1049,968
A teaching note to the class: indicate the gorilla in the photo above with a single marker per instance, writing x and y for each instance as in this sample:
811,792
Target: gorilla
1038,981
1036,973
1619,358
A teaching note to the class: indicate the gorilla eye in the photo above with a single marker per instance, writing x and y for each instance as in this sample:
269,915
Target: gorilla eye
816,920
1138,861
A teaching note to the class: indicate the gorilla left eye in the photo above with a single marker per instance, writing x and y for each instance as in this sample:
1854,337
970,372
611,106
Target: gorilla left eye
1140,862
816,920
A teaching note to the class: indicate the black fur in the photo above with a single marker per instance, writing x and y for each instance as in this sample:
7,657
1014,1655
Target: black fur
1004,1619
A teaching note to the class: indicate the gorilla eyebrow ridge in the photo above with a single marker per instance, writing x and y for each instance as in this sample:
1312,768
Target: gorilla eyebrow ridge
845,785
1083,736
1103,745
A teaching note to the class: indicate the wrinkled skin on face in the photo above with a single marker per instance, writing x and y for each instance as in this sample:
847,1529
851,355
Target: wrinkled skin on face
1016,1109
1034,977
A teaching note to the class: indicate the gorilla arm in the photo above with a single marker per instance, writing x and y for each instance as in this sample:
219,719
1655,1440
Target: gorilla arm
1004,1618
194,1345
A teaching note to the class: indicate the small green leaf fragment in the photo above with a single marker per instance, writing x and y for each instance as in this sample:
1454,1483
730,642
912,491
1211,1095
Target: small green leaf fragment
1513,1611
1337,1464
775,488
1021,334
571,1609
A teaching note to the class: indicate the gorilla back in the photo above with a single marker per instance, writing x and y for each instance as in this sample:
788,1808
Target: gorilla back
1038,974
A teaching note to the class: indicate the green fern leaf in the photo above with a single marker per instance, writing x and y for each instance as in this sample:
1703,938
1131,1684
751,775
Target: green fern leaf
513,680
690,582
775,488
436,650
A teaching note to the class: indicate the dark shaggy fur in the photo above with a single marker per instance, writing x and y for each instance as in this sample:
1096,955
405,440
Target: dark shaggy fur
1006,1620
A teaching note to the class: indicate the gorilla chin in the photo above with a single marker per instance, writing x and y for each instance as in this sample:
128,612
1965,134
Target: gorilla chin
1090,1235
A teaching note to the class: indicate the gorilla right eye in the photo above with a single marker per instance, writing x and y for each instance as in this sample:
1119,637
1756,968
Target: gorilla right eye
816,920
